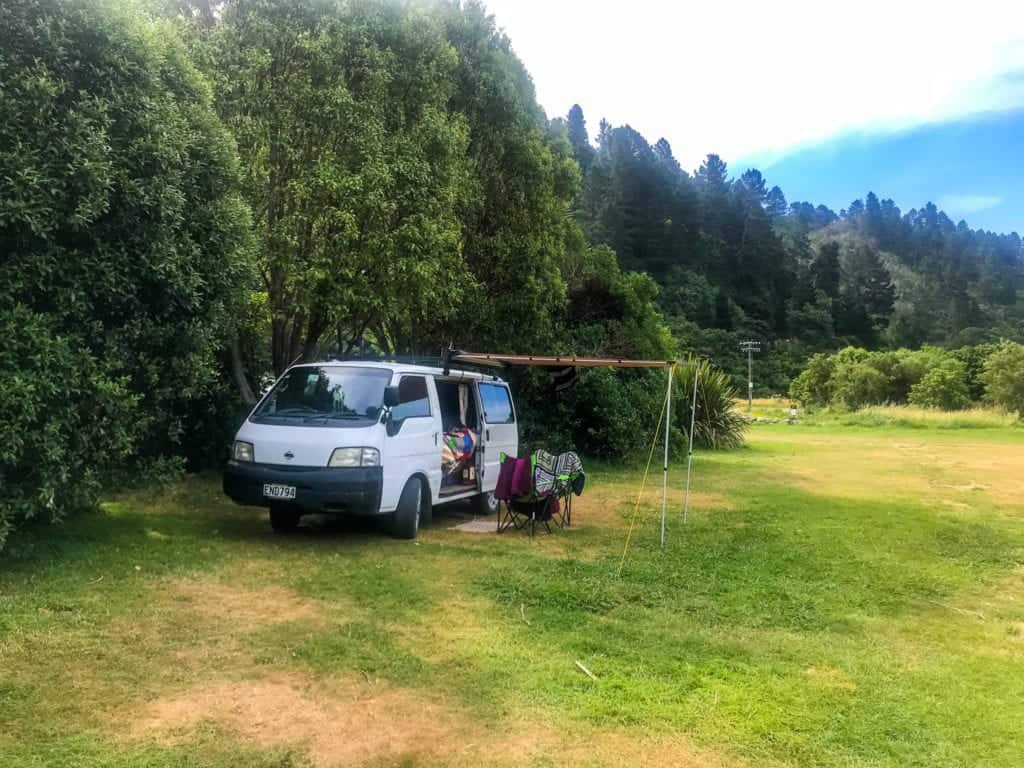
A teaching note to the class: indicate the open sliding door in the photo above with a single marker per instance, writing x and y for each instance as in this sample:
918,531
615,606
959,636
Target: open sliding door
500,433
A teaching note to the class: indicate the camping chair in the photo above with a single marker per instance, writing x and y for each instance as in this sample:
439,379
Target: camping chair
569,480
537,489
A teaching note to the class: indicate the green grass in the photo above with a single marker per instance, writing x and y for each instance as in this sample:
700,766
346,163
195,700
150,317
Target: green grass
910,417
895,416
840,596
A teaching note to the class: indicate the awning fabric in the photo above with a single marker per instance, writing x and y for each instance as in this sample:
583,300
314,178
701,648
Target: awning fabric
555,361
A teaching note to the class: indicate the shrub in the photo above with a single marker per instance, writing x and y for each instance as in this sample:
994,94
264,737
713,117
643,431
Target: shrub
943,387
608,414
612,414
855,383
905,368
717,425
613,411
930,377
1004,377
813,386
974,359
123,248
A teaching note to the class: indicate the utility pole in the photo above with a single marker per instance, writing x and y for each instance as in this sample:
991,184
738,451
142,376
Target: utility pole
750,347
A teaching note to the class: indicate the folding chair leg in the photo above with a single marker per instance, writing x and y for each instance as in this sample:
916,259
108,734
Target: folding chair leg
506,518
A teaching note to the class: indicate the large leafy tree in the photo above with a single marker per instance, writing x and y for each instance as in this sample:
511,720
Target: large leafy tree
516,230
355,167
123,243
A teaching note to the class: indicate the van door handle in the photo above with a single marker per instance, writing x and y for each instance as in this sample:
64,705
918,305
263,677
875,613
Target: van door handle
435,438
487,435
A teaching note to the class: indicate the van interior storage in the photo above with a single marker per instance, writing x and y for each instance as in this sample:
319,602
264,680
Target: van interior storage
460,423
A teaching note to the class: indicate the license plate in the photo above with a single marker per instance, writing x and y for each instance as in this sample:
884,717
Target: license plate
278,491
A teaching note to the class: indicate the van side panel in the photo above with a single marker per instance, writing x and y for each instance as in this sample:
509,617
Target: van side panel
416,447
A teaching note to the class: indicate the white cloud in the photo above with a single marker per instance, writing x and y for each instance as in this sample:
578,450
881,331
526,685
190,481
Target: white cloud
961,205
744,78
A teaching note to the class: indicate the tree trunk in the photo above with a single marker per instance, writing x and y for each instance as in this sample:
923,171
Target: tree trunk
314,330
238,371
279,343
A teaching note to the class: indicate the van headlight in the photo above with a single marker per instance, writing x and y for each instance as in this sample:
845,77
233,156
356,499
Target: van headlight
241,451
354,457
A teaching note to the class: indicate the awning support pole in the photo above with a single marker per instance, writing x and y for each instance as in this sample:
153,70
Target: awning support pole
693,421
664,474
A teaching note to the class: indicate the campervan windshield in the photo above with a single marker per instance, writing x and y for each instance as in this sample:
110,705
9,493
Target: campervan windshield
335,395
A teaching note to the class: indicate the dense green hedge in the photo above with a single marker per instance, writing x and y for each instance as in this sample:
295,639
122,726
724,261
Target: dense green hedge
614,414
929,377
123,248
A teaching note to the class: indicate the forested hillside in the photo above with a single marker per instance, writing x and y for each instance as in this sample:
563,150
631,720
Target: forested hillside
733,260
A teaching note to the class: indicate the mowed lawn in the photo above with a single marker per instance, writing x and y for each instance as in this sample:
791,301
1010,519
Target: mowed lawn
840,596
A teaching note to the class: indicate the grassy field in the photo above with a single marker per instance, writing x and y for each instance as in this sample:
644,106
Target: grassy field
905,416
840,596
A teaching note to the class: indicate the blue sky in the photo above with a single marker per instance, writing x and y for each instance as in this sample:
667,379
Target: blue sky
912,99
973,169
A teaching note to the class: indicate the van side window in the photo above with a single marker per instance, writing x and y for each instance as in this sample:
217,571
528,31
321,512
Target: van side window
497,404
413,399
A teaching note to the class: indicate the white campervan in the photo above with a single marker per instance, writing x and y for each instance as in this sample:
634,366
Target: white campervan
372,438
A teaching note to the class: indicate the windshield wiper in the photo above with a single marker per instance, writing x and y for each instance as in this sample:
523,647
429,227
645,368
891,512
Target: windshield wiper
292,411
342,416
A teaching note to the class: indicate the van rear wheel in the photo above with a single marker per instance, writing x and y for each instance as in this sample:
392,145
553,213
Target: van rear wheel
486,503
405,520
284,519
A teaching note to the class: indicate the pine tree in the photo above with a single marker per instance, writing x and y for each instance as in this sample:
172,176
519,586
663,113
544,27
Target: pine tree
579,138
825,270
775,203
663,151
869,295
823,216
712,173
753,183
872,215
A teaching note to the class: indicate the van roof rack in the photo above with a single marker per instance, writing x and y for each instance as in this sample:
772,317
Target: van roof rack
443,361
407,359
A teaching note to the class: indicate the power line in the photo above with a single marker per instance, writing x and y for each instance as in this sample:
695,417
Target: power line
750,347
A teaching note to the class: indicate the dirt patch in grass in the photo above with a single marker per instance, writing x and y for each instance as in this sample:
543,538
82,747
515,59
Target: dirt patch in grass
859,466
338,723
246,609
341,723
606,506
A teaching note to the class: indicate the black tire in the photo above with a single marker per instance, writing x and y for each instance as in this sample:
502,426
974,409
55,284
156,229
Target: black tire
284,519
426,507
486,504
405,521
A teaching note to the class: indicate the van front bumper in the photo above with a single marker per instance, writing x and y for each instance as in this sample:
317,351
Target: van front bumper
335,490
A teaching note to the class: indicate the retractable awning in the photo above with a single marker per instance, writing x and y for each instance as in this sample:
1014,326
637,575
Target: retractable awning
569,362
554,361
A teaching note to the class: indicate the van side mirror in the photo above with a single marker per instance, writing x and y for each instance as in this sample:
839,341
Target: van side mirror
391,396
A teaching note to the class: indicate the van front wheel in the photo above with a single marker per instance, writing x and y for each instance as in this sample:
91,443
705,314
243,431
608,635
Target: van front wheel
405,521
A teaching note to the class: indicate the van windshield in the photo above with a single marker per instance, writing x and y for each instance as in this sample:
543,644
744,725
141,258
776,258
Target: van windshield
335,394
